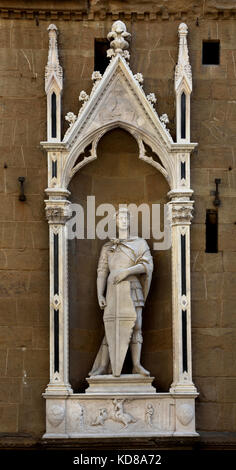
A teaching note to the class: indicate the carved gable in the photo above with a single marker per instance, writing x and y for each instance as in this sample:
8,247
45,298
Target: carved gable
117,97
121,105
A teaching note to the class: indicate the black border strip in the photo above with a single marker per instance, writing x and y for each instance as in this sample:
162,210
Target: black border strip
183,116
183,265
184,341
54,169
56,266
56,341
54,115
183,170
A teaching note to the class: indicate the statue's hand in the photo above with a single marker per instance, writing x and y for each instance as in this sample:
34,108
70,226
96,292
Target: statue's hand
102,301
120,276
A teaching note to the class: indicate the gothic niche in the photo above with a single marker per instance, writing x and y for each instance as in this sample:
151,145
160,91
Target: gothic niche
118,176
118,149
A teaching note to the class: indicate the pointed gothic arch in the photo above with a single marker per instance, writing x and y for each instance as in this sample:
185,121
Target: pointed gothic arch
95,136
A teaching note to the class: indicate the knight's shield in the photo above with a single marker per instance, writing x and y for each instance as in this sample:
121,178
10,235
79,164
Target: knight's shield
119,320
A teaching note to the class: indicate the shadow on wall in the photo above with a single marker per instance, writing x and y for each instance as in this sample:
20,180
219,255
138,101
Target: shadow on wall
116,177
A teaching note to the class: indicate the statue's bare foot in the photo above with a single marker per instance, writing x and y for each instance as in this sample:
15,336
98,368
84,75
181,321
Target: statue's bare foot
138,369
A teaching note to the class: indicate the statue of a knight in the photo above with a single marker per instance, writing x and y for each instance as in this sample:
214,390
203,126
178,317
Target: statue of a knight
124,275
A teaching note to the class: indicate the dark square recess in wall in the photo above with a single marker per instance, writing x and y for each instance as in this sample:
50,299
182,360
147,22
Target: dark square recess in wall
211,52
211,231
101,60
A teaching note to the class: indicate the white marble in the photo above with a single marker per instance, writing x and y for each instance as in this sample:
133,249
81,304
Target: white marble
117,99
123,415
123,282
183,83
125,383
53,84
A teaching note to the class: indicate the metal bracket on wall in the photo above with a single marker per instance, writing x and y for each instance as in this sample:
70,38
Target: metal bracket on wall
217,201
22,196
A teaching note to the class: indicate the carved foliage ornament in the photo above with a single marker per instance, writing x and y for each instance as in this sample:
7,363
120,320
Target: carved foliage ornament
151,98
71,118
181,213
58,214
119,44
139,77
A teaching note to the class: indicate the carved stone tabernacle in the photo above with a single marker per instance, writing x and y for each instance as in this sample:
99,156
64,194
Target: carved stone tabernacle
115,403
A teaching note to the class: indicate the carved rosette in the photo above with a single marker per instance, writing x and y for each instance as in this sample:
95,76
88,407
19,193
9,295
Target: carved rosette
182,214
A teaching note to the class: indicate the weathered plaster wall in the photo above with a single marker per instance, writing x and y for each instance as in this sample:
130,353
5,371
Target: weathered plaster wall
24,238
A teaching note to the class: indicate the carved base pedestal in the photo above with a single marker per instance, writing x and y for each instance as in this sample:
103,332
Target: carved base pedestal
106,415
126,383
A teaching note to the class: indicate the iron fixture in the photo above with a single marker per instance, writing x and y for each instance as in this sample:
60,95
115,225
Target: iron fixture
22,196
217,201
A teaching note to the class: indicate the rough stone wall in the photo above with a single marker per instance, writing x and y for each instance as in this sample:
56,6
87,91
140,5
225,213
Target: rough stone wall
213,274
24,233
24,239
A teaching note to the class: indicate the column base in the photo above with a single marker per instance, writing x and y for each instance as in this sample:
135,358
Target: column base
58,389
184,388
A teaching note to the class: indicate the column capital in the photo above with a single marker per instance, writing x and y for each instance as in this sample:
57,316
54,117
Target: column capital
58,211
182,212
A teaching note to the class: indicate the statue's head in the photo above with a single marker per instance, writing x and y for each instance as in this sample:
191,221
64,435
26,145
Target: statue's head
123,218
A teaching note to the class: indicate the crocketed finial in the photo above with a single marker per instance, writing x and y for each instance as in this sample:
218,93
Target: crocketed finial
117,38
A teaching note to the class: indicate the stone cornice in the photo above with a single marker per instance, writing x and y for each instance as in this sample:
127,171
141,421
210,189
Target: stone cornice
206,441
135,14
177,147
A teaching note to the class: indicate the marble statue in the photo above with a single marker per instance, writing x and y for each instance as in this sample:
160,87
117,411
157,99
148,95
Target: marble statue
124,272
